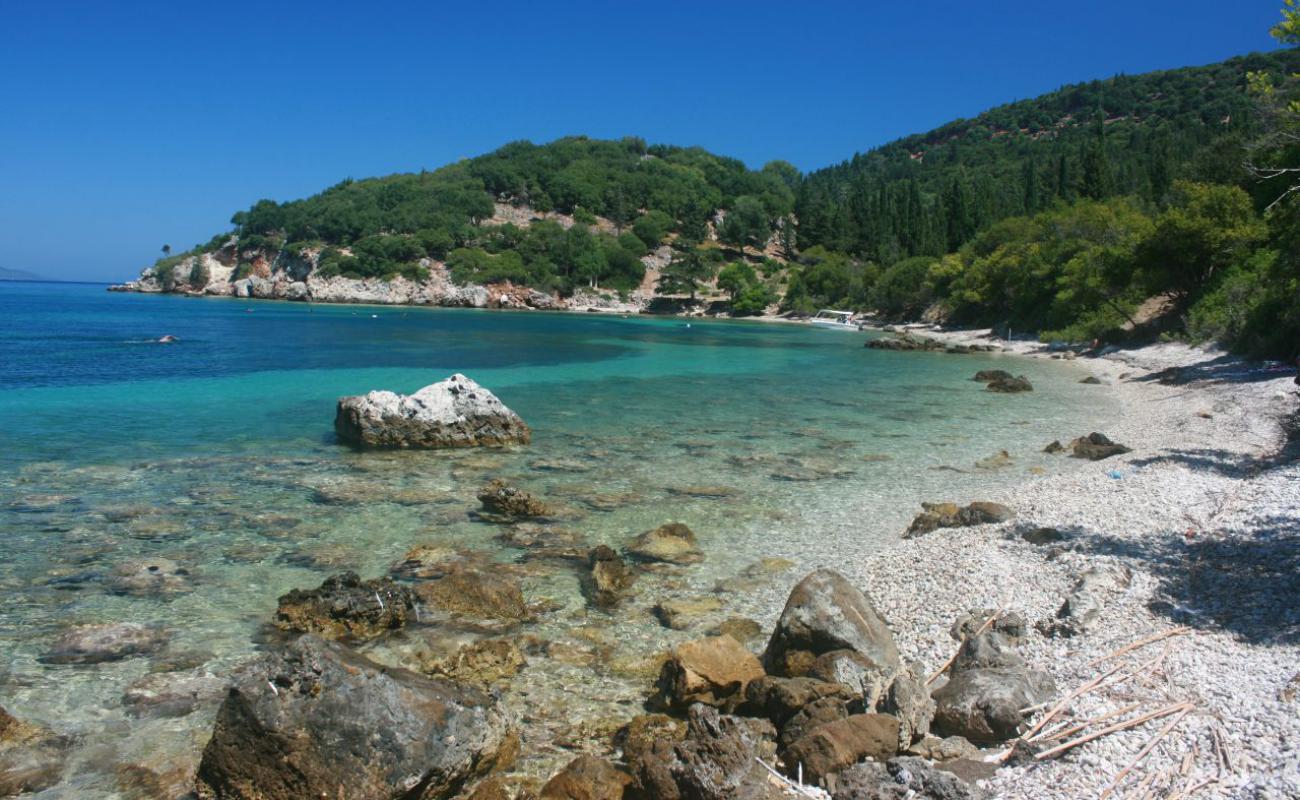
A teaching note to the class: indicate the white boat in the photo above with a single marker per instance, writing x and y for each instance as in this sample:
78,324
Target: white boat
830,318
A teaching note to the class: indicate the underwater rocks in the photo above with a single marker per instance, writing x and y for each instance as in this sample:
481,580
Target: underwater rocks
96,644
346,607
587,778
680,615
481,663
500,499
609,578
906,343
313,716
31,757
673,543
149,577
456,412
1009,385
825,613
476,593
950,515
172,694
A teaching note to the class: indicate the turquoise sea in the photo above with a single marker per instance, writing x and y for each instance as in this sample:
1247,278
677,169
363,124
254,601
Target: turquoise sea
768,440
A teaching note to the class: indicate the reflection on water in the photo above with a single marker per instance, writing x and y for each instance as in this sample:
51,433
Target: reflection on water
768,441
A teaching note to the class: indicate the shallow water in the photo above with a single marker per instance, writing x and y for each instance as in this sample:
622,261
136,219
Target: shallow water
218,452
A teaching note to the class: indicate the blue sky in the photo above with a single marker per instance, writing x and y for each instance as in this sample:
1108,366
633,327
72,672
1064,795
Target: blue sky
126,125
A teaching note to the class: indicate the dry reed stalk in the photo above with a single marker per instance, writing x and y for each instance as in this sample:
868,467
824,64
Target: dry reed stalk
1155,740
1080,726
1173,708
1128,648
1056,709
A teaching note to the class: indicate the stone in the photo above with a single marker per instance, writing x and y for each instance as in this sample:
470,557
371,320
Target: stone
989,375
835,746
1042,536
812,716
482,663
716,760
779,700
947,749
113,641
825,612
906,342
477,593
999,460
32,757
742,629
587,778
988,684
1091,380
346,607
902,778
314,716
1010,385
149,577
908,699
1054,447
609,578
949,515
510,502
714,671
1010,624
680,615
1095,447
854,671
673,543
172,694
1083,609
455,412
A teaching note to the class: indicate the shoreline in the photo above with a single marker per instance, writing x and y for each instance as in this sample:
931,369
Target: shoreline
1203,514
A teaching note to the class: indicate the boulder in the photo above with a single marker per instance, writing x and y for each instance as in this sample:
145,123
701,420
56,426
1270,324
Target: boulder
902,778
609,578
476,593
1010,385
1096,446
990,375
113,641
1083,609
854,671
1054,447
824,612
31,757
673,543
587,778
987,686
810,717
779,700
949,749
149,577
456,412
835,746
314,716
714,671
950,515
346,607
716,760
510,502
908,699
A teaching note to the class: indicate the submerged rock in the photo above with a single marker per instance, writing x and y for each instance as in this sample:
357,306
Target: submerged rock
906,342
476,593
146,577
31,757
113,641
497,497
673,543
682,614
172,694
587,778
950,515
713,671
344,606
481,663
1095,447
315,716
823,613
990,375
456,412
609,578
1010,385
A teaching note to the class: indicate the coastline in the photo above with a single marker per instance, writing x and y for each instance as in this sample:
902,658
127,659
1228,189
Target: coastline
1203,512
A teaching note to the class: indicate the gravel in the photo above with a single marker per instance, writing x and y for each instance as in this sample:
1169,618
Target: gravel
1205,512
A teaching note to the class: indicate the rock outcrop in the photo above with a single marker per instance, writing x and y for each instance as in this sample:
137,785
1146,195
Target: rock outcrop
456,412
825,613
950,515
716,760
315,716
346,607
1096,446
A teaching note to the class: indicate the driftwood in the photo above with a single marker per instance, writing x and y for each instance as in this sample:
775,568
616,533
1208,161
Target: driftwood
1183,710
1173,708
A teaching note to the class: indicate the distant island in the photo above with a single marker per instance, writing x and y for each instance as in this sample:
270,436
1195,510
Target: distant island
1112,210
18,275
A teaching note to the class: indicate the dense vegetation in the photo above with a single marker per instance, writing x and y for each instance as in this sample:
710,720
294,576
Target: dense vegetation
1064,214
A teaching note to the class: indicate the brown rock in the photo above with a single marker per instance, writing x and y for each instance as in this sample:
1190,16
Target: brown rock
346,607
1095,447
837,745
713,671
673,543
587,778
610,577
502,499
476,593
823,613
742,629
481,663
682,614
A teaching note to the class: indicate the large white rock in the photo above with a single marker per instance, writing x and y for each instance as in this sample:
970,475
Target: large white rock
456,412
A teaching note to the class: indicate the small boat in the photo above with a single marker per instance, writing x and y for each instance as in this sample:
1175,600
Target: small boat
829,318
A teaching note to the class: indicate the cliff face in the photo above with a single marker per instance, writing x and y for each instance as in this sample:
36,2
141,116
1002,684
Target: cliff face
298,278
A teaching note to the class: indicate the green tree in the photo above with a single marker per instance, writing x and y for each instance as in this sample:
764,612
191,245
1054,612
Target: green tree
688,270
746,224
736,278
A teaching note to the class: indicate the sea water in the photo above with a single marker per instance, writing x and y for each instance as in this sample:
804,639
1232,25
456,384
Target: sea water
217,451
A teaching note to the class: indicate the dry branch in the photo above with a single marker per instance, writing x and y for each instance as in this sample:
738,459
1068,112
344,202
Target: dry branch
1186,709
1173,708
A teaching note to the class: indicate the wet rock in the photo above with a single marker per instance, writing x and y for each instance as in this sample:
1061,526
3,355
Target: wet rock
1054,447
683,614
507,501
311,717
905,343
172,694
673,543
641,732
559,465
824,612
999,460
754,576
902,778
456,412
476,593
950,515
713,671
835,746
742,629
481,663
346,607
704,492
1083,609
908,699
432,561
113,641
544,539
492,788
990,375
587,778
988,684
1010,385
609,578
1096,446
1010,624
31,757
717,760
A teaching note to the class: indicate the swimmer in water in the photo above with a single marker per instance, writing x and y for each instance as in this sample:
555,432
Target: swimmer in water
168,339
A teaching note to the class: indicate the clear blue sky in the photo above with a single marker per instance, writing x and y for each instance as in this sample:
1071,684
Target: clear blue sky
129,124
